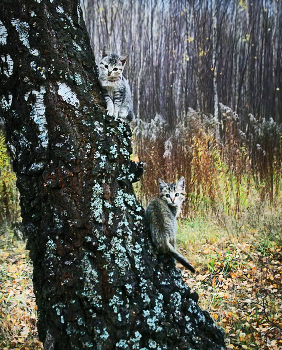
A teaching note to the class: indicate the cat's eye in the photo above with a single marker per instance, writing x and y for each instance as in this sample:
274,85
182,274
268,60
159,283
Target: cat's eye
176,194
167,195
106,66
115,69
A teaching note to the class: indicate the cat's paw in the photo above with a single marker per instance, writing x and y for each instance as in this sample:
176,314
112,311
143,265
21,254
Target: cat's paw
136,170
123,113
126,114
110,110
116,111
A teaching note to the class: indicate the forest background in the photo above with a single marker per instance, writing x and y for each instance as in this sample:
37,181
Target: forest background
206,80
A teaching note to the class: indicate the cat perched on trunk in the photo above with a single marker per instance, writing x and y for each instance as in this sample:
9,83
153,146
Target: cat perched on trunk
115,87
160,216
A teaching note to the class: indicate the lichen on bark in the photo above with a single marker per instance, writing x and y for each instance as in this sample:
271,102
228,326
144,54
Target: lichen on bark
98,281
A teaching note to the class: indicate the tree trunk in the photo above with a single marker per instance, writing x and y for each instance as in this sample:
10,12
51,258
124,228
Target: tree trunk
97,279
214,61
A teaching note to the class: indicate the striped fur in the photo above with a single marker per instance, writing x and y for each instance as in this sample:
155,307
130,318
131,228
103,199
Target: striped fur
115,87
160,216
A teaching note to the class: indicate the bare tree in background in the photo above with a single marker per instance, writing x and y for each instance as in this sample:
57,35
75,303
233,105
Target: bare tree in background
195,54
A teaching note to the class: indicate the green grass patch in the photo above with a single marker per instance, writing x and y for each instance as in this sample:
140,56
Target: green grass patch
239,272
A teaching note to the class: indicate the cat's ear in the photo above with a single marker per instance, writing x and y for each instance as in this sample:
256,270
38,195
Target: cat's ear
123,59
161,184
105,52
181,183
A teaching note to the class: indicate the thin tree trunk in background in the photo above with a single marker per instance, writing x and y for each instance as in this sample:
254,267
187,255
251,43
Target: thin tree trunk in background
214,59
165,31
97,280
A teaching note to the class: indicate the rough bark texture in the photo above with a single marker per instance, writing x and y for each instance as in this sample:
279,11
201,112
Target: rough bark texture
98,281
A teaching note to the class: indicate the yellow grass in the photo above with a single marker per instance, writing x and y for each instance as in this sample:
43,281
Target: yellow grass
239,275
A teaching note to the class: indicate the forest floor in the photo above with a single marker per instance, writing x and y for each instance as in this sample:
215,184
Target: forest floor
238,276
238,279
17,301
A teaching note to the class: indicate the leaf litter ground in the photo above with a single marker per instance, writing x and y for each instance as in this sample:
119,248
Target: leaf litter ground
17,301
238,282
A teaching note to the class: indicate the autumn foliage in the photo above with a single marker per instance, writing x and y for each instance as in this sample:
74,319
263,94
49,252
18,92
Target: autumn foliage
224,167
231,223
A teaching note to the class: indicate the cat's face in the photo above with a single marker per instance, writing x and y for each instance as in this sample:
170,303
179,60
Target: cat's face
174,193
111,66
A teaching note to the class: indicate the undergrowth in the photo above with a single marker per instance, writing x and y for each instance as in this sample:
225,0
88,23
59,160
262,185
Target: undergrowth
231,228
17,302
238,274
9,199
238,279
222,173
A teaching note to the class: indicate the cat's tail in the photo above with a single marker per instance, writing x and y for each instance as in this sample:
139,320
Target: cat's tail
179,257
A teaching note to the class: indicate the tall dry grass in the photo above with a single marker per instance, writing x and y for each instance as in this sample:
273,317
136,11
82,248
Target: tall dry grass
223,165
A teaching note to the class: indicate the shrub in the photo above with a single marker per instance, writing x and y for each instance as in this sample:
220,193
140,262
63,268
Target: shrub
9,198
226,169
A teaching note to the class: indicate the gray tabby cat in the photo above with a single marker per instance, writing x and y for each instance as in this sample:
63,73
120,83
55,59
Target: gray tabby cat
115,87
160,216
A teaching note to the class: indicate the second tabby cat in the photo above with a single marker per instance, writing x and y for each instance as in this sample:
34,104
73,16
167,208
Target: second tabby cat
115,87
160,216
